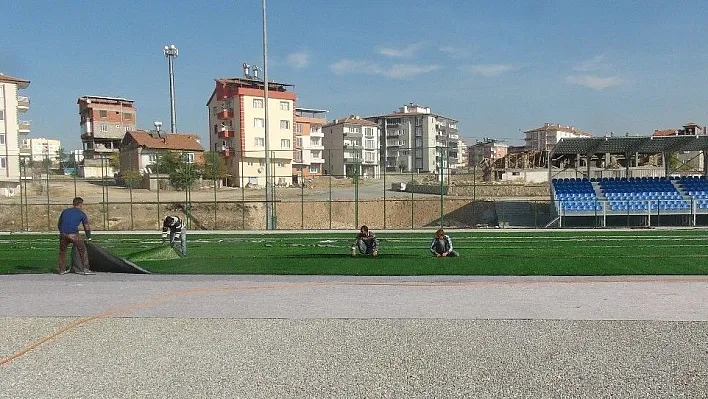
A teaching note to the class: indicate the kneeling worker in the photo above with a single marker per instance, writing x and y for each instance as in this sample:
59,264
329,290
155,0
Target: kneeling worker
366,242
174,225
442,245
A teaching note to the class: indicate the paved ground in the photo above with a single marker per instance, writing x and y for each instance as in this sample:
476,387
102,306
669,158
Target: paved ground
287,336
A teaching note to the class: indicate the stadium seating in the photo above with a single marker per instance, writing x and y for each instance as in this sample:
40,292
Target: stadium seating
576,195
630,195
641,194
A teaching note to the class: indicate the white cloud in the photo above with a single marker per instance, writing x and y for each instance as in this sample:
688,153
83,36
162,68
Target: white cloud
454,52
298,59
402,52
396,71
489,70
594,82
595,63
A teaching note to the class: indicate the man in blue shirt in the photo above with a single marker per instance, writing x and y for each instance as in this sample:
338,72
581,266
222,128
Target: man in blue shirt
69,234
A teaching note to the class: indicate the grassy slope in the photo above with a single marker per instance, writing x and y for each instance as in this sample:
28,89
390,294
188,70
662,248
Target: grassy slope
544,252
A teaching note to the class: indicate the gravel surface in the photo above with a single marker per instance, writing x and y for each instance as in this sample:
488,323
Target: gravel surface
112,336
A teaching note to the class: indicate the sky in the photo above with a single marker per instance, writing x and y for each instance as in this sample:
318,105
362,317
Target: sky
499,67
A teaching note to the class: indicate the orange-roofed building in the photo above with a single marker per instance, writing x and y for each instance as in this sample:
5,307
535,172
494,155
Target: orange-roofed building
139,149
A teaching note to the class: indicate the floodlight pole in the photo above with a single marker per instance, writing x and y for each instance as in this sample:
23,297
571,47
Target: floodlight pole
171,52
270,215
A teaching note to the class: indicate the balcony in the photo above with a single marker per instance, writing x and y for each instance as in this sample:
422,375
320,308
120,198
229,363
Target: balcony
23,127
23,103
227,152
393,133
225,114
453,136
226,134
353,146
316,133
351,135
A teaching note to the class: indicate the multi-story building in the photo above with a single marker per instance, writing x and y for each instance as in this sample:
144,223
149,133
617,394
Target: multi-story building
686,160
139,149
415,139
352,148
544,138
39,149
237,129
308,145
11,127
487,149
104,121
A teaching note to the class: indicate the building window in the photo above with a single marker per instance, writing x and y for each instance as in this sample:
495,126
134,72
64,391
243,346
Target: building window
281,164
284,143
369,156
371,144
298,141
314,169
3,163
258,122
2,114
284,106
369,131
259,141
284,124
2,139
261,163
188,157
103,114
257,103
152,158
103,127
249,163
298,156
298,128
315,154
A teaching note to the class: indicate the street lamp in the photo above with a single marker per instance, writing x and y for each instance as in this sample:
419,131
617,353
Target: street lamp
171,52
270,214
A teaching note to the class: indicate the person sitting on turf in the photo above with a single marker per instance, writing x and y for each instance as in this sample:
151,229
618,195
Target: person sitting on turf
174,225
366,242
442,245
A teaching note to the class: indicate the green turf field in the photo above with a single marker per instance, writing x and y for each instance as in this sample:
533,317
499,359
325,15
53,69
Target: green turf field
542,252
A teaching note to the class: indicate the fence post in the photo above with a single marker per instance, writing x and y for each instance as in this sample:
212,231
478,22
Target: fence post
330,198
302,200
49,223
356,195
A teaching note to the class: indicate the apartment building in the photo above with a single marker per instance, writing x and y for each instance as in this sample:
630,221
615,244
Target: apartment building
308,145
352,147
39,149
487,149
237,129
415,139
544,138
104,121
11,128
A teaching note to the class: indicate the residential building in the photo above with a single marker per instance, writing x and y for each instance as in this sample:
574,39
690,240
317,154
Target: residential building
308,145
414,138
104,121
139,149
351,147
487,149
39,149
11,128
544,138
237,129
687,160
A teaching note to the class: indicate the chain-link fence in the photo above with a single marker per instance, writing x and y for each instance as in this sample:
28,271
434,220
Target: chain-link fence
213,192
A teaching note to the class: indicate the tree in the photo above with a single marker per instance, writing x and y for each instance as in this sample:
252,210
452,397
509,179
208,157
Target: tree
214,167
165,163
114,161
184,173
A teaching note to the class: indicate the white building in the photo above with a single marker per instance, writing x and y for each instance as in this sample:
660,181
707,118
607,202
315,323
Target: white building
237,129
308,145
414,138
39,149
11,128
544,138
352,148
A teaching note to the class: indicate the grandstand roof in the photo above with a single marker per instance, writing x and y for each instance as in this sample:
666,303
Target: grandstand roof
623,145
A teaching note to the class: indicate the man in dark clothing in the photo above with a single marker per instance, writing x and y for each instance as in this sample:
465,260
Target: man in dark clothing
68,226
442,245
366,242
174,226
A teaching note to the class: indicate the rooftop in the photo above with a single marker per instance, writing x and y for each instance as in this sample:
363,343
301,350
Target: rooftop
553,127
21,83
104,98
351,120
167,141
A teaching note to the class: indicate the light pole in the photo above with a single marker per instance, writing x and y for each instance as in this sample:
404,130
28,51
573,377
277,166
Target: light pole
270,215
171,52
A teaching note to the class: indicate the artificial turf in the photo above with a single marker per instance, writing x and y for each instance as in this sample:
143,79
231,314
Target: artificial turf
541,252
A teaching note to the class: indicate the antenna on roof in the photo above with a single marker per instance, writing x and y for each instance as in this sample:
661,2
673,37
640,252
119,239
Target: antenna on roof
246,71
